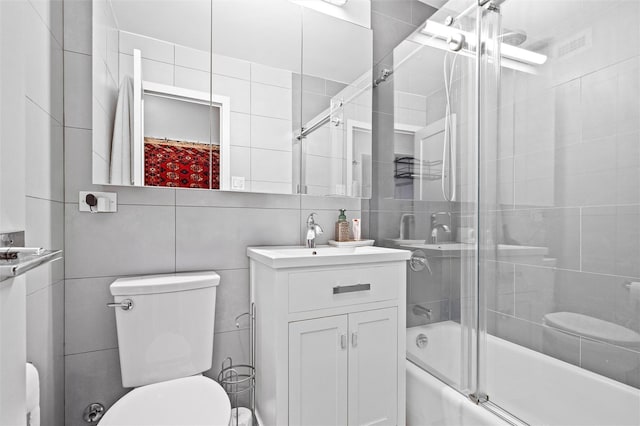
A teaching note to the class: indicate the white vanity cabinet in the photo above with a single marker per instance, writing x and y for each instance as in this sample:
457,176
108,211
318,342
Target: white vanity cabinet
330,340
344,369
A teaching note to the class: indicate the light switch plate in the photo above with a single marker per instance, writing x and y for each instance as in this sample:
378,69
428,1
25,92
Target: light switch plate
110,202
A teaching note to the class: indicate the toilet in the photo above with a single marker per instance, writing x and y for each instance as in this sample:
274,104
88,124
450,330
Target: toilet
165,337
593,330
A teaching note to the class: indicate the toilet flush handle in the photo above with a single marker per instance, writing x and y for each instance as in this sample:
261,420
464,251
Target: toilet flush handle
125,305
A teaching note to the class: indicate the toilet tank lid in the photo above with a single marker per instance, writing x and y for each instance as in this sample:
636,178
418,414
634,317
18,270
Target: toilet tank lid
165,283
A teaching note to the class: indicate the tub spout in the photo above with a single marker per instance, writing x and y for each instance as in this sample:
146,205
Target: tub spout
421,311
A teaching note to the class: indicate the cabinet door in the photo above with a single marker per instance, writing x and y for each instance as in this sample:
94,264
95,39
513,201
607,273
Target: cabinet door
318,371
373,367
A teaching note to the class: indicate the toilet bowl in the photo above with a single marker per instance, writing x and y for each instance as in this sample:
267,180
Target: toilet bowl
195,400
165,326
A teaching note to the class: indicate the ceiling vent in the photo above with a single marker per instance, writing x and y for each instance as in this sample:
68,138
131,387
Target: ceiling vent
574,45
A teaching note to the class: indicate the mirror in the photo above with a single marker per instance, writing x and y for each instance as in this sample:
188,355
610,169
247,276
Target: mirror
336,108
155,121
215,94
429,162
257,50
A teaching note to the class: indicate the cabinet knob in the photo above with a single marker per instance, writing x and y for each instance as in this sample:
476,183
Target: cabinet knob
343,341
354,339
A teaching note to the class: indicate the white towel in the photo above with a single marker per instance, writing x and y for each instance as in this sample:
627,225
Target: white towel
121,164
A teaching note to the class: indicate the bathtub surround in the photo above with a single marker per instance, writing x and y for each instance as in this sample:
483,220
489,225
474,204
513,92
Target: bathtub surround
155,231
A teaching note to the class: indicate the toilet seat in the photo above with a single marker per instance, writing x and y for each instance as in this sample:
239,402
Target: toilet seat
593,328
195,400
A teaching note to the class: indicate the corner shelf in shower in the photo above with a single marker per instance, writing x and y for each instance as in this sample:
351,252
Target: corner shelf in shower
408,167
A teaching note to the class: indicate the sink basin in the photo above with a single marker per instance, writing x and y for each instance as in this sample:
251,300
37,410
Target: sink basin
296,256
399,242
453,248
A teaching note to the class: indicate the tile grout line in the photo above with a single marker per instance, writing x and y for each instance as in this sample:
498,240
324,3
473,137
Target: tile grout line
580,239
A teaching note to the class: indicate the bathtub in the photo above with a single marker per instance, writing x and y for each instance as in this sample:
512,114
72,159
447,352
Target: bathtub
535,387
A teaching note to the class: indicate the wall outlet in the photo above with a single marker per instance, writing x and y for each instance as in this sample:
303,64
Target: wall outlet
103,202
237,183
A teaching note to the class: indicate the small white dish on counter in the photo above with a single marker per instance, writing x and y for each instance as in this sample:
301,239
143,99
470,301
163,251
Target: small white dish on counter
351,243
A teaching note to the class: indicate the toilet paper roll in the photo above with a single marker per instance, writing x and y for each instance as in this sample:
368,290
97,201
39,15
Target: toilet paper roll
33,395
244,417
634,290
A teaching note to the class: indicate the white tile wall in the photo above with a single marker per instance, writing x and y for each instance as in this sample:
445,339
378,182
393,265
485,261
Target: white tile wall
103,245
240,129
45,348
192,58
192,79
150,48
88,325
226,246
271,133
43,65
273,76
238,90
231,67
269,165
50,13
45,153
271,187
84,383
241,162
270,101
77,90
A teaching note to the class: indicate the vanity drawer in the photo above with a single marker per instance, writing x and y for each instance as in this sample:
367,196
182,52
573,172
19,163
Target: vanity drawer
341,287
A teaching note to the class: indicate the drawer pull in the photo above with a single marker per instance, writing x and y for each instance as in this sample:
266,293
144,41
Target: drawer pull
351,288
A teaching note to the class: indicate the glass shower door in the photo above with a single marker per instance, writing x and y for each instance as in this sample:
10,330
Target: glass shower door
562,192
435,162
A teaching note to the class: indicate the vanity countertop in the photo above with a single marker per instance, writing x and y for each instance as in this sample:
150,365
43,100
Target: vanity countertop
298,256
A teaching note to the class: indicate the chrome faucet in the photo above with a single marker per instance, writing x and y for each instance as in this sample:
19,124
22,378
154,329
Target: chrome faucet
435,226
313,230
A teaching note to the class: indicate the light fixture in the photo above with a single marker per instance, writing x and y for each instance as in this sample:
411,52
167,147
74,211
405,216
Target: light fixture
449,34
336,2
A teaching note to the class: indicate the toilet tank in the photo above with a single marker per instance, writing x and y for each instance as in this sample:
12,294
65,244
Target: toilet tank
168,331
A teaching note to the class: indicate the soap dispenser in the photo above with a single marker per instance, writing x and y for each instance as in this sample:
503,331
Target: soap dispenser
342,227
